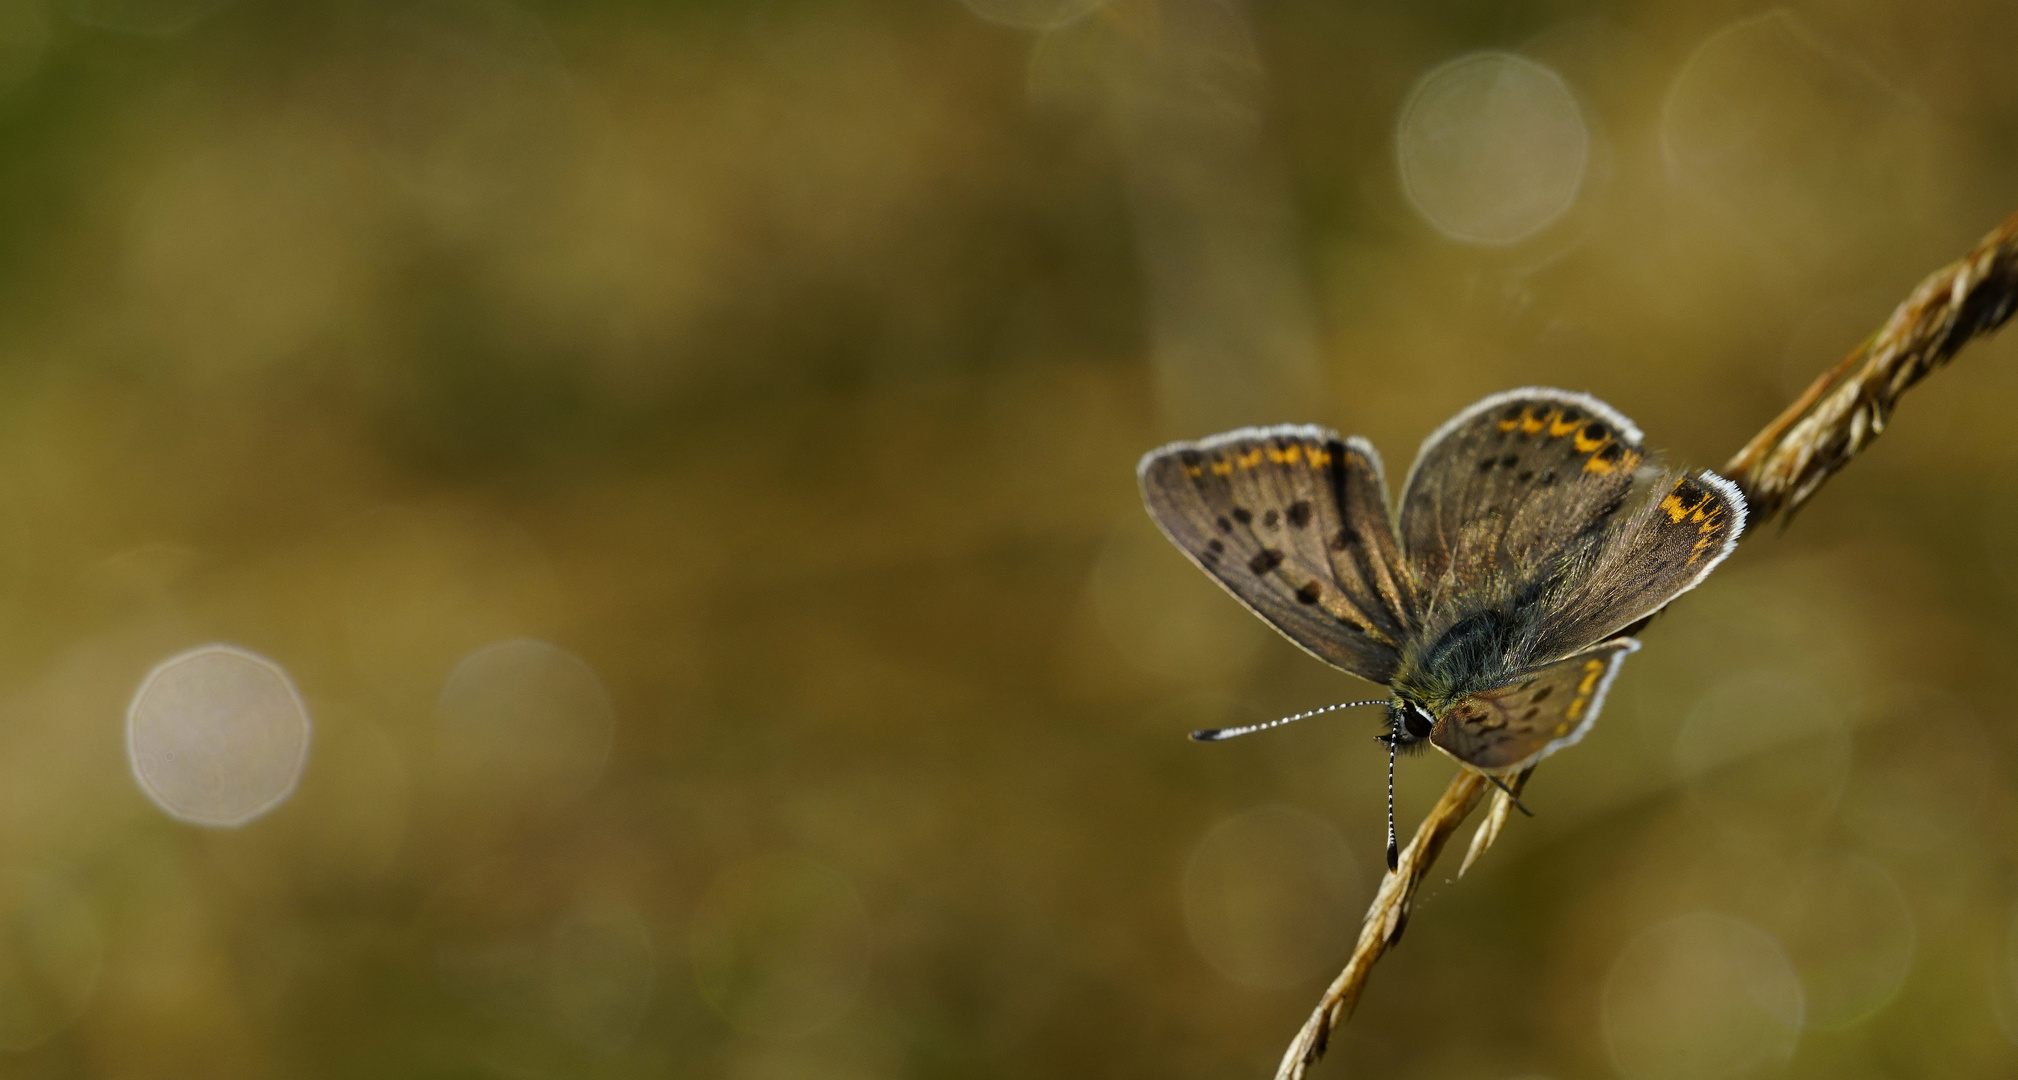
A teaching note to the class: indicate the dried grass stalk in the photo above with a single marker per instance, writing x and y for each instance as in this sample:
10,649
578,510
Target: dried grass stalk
1495,819
1385,921
1850,404
1781,468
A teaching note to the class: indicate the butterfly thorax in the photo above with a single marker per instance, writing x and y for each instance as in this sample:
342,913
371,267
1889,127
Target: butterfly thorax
1483,650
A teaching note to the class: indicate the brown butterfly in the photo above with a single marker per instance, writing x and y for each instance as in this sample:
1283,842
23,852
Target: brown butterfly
1534,535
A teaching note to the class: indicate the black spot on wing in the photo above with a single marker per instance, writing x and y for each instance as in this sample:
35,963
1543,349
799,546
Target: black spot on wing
1241,514
1269,519
1265,560
1309,593
1299,513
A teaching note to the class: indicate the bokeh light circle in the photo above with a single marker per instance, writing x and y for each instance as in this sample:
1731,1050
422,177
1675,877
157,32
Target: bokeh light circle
217,736
780,945
1701,996
1765,751
1849,933
525,719
1796,148
1492,147
1269,897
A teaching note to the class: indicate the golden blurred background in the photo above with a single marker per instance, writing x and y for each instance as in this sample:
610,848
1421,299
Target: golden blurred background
661,479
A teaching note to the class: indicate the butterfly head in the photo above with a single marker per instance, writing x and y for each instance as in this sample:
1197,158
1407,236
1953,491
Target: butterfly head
1408,723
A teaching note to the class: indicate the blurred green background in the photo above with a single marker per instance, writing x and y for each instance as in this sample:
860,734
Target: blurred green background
683,456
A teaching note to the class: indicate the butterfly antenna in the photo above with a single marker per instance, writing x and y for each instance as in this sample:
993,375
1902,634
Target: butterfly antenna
1393,850
1222,734
1511,797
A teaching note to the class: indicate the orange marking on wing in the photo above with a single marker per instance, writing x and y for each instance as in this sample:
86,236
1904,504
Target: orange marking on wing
1705,512
1285,457
1531,423
1709,518
1318,457
1194,471
1593,670
1560,428
1602,467
1222,468
1248,460
1585,444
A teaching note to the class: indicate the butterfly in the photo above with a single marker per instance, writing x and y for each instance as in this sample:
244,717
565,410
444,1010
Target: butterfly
1534,536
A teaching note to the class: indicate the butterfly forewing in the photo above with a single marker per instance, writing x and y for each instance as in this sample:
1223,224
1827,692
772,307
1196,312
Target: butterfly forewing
1293,522
1661,551
1515,725
1511,487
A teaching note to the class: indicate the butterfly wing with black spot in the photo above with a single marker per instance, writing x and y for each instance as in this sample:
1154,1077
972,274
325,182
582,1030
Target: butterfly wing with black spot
1511,490
1511,727
1293,522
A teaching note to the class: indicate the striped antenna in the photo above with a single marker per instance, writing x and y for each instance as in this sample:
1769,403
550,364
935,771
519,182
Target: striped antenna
1393,851
1225,733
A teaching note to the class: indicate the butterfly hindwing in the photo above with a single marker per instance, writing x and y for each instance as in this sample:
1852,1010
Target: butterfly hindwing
1510,488
1512,726
1293,522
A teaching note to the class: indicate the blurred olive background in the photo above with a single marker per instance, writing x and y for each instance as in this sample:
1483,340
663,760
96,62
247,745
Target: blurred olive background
682,455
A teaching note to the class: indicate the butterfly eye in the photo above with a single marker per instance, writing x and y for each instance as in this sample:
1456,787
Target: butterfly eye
1417,721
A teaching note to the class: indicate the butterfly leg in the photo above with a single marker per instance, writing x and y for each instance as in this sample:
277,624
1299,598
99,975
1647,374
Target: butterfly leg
1509,792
